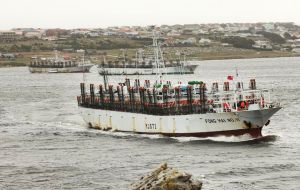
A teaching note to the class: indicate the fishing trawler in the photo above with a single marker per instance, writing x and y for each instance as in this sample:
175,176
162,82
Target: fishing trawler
146,64
58,64
176,110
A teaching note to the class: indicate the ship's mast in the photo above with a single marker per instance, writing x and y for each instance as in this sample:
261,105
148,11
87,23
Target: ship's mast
235,82
105,79
155,53
136,59
236,72
83,73
56,54
182,62
124,60
158,58
140,56
104,73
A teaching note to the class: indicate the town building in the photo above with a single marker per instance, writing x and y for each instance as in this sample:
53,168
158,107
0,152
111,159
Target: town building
262,45
8,36
204,42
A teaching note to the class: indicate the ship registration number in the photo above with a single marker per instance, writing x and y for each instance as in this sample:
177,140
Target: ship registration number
150,126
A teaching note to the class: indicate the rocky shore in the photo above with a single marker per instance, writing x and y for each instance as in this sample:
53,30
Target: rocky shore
166,178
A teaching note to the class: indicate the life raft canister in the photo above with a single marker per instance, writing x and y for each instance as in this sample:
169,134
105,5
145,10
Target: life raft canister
243,104
226,105
262,102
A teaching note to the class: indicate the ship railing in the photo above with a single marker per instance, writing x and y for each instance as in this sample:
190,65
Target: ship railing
211,103
164,108
231,105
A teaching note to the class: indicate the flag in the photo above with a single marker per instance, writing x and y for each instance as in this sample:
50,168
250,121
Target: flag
229,77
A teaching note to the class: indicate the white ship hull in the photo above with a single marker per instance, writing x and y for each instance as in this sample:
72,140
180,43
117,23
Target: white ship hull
77,69
149,71
193,125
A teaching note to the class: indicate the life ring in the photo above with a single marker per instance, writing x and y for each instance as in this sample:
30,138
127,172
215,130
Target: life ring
196,102
210,101
171,104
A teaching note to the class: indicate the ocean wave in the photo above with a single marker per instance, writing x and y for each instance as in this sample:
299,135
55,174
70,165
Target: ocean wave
245,171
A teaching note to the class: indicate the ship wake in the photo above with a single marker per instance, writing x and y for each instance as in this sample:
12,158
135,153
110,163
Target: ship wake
229,139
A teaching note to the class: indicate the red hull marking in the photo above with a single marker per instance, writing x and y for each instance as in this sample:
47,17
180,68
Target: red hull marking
253,132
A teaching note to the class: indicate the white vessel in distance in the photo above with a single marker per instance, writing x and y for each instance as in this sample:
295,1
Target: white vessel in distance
147,64
58,64
175,110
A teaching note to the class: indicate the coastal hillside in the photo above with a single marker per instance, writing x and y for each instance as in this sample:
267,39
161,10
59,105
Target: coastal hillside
189,42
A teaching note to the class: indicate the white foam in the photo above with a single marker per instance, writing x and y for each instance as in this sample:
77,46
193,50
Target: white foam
77,127
151,136
71,126
242,138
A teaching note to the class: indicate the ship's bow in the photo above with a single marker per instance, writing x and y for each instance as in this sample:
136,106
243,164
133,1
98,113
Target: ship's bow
259,117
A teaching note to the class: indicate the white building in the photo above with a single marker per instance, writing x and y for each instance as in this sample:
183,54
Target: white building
269,26
262,45
34,33
173,33
80,31
189,41
80,51
93,34
296,50
204,42
7,35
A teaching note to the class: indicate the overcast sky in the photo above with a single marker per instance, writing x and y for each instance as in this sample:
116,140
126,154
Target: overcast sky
103,13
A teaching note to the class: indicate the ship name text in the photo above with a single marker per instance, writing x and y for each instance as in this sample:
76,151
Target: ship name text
231,120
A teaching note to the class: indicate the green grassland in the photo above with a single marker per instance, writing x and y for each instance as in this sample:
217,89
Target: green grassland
115,47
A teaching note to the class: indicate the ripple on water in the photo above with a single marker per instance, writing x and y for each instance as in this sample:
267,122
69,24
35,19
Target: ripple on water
44,143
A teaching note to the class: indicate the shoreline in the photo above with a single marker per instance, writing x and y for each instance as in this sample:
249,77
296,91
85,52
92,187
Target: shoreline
250,57
15,63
